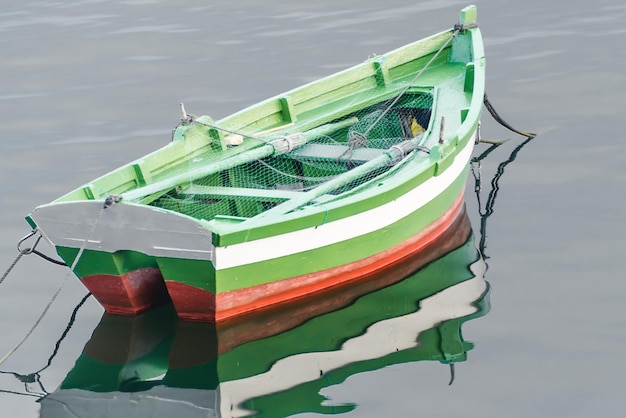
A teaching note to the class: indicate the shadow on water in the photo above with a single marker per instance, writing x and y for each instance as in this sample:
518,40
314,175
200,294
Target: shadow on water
276,363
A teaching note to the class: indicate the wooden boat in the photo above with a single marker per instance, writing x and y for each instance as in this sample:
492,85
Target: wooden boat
308,191
162,366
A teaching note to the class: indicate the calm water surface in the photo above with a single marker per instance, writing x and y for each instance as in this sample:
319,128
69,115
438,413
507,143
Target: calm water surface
90,85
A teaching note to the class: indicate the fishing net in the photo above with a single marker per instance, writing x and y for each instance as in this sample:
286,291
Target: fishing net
317,159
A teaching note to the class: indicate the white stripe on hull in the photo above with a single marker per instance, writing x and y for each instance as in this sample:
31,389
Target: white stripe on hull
346,228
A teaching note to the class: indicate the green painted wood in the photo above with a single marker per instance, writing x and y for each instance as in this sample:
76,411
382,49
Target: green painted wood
89,192
324,188
338,254
400,179
469,77
445,101
468,15
99,262
381,73
322,152
288,110
202,274
198,273
143,177
236,158
456,82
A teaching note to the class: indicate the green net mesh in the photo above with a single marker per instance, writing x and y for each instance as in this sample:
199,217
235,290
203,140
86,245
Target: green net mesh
252,187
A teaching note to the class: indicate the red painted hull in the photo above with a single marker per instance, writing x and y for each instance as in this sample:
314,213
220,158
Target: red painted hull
192,303
128,294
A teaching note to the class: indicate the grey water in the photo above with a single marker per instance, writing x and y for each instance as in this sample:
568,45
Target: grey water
86,86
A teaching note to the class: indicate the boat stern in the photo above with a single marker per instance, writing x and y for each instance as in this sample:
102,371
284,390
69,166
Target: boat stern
116,251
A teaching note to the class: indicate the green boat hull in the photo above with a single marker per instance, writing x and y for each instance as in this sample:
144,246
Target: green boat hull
195,224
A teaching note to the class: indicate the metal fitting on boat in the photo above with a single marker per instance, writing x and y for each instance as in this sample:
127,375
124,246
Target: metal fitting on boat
31,249
111,200
399,151
186,118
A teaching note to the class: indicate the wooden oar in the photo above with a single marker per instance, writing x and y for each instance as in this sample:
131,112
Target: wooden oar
389,157
274,146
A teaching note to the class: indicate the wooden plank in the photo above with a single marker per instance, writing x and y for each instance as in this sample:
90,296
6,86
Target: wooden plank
266,195
288,111
143,176
468,15
418,50
382,73
469,77
336,152
90,192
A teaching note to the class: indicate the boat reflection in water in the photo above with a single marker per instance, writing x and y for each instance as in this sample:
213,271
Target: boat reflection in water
276,363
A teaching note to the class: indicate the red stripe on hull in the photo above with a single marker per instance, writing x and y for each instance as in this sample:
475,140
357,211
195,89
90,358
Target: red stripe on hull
195,304
191,302
280,318
130,293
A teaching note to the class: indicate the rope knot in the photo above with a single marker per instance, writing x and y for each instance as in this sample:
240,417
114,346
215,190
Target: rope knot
460,27
357,140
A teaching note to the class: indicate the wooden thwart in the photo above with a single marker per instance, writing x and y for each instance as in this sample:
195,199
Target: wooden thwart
266,195
336,152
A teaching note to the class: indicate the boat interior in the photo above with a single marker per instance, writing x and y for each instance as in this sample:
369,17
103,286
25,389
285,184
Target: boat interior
246,190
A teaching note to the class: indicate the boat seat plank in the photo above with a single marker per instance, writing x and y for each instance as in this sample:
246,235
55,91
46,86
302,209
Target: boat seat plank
335,152
216,192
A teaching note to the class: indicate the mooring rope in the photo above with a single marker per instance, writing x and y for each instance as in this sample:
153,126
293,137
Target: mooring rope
31,250
14,263
48,258
230,131
457,29
502,122
56,294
